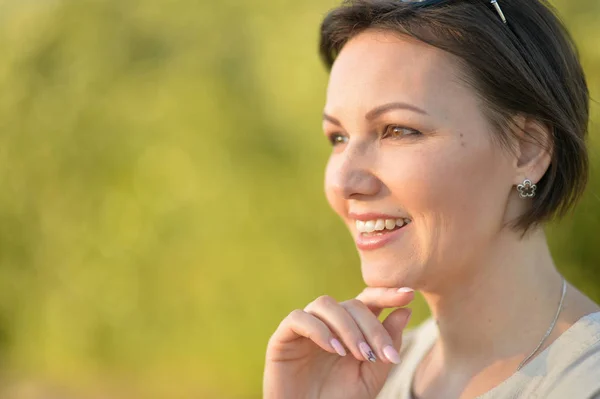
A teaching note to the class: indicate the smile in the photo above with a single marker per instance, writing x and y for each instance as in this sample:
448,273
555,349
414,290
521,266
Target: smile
376,233
380,225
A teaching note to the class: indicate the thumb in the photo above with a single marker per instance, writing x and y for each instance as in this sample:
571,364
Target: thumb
394,324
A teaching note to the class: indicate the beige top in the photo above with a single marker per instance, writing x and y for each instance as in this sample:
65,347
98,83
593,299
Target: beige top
568,368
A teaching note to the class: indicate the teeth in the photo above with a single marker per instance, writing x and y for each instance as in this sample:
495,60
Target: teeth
360,225
370,226
390,224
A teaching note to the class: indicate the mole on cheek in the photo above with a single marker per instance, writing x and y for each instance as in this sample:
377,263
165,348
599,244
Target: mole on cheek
462,143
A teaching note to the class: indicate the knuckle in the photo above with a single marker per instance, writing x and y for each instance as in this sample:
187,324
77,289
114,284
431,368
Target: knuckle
325,301
355,303
295,314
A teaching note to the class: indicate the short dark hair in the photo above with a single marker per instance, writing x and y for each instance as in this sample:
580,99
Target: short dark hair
528,66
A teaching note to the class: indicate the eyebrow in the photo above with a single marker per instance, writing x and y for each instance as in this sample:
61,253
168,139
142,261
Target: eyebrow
377,111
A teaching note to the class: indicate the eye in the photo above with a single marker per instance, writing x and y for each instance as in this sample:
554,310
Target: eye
397,131
336,139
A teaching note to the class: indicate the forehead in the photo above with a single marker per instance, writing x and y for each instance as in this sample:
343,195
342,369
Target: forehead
378,66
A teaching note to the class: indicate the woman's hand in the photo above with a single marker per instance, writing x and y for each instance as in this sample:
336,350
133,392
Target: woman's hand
334,350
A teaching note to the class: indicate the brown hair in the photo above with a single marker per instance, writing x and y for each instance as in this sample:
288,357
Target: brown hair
528,66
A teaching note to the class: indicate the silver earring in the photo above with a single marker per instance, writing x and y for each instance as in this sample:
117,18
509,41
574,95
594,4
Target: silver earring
527,189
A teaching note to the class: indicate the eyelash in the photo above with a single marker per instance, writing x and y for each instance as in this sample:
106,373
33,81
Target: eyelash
334,137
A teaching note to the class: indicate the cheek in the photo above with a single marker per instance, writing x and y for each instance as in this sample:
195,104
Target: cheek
450,196
446,185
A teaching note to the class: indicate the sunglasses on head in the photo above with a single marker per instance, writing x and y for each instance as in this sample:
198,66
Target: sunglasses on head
425,3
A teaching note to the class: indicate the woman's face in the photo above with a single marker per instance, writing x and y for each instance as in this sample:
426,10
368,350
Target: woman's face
413,155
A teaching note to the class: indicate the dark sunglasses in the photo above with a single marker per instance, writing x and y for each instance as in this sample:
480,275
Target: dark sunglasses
425,3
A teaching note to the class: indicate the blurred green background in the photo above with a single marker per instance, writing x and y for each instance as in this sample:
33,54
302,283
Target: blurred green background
161,202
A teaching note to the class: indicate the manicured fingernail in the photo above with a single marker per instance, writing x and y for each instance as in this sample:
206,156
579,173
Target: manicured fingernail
391,354
335,344
367,352
405,289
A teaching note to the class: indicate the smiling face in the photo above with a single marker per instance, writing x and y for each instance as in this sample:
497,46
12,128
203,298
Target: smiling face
411,144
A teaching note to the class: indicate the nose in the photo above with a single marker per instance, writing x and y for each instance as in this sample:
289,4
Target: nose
352,173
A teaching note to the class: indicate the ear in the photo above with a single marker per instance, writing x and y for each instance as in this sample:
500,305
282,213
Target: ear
533,149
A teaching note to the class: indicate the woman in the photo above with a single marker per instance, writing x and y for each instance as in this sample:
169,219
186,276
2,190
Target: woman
458,129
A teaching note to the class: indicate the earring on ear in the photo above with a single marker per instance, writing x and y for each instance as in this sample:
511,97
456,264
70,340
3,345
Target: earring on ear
527,189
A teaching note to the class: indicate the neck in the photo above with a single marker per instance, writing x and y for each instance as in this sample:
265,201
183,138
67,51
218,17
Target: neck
505,305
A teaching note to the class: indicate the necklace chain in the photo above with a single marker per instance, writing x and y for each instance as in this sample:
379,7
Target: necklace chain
564,289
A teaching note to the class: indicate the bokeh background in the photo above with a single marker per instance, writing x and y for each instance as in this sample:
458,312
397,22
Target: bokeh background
161,201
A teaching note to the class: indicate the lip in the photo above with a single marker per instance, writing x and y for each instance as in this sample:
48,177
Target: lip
369,243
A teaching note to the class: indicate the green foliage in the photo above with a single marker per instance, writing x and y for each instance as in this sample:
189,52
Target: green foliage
157,161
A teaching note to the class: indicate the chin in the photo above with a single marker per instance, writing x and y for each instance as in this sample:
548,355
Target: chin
386,273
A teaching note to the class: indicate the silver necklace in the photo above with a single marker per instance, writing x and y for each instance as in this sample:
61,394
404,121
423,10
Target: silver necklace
564,289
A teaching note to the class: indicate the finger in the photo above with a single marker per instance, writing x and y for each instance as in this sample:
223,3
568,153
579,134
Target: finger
395,323
339,321
376,335
378,299
301,324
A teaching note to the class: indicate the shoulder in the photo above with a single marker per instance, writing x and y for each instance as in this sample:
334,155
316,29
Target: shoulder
581,377
575,364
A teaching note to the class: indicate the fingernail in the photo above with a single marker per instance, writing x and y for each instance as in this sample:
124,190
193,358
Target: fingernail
367,352
391,354
405,289
335,344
